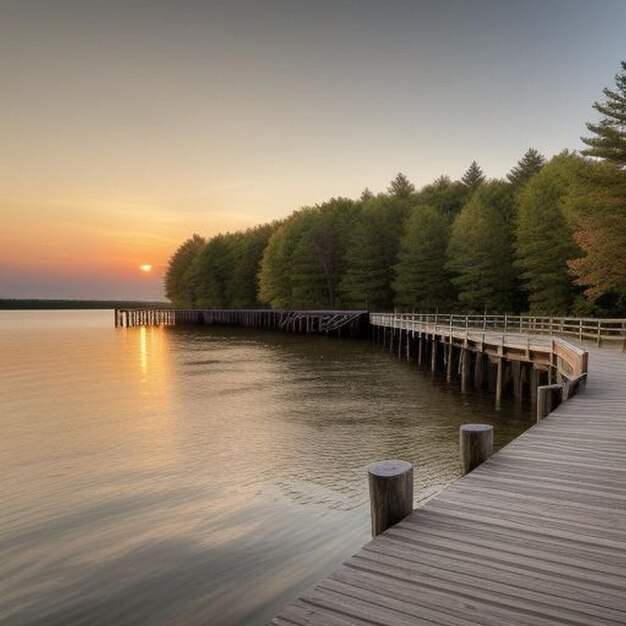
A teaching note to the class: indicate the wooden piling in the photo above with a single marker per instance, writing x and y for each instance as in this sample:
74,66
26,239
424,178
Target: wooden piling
465,369
391,493
499,379
545,399
476,445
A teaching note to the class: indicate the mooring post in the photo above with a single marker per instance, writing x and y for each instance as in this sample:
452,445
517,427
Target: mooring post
391,493
476,445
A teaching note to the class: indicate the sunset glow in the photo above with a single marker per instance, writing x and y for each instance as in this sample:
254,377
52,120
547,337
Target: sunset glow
145,267
102,167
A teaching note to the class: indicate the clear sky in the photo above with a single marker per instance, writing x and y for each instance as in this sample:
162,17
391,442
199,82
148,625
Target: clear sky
128,126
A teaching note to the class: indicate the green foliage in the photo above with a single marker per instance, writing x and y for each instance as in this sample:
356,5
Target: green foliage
609,134
473,176
372,253
552,230
178,284
305,258
212,272
544,240
526,168
243,289
366,195
480,252
444,195
422,279
400,187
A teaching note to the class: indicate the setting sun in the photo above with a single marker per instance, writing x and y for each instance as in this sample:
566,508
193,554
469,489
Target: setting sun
145,267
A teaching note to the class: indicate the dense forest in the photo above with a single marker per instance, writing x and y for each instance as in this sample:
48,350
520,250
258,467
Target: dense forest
549,239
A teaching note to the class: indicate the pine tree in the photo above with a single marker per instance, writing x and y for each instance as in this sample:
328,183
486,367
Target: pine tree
178,285
599,202
422,280
526,168
544,241
366,195
444,195
247,254
609,140
598,206
372,252
400,187
473,177
211,272
480,252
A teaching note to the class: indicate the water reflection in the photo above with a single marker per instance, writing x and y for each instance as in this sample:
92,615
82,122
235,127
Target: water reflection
194,476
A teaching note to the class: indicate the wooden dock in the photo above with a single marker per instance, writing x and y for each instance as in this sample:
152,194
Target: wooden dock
535,536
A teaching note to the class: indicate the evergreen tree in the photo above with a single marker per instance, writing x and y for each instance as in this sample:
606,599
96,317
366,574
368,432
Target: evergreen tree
248,250
178,285
400,187
444,195
544,241
422,280
366,195
211,272
305,258
480,252
598,208
609,134
599,202
275,274
473,177
372,253
526,168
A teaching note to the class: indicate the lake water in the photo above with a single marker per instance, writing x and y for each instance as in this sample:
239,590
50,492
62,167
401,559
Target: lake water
199,476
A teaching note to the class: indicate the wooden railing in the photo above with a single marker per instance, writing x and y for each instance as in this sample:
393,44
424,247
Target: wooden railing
568,360
582,328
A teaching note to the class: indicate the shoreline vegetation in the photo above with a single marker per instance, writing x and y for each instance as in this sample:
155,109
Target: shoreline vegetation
27,304
550,239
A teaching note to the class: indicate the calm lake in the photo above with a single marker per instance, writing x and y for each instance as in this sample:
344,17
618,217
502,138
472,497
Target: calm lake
195,475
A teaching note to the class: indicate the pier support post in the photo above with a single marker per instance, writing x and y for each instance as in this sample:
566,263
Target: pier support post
478,370
433,355
391,493
465,369
476,444
499,381
544,399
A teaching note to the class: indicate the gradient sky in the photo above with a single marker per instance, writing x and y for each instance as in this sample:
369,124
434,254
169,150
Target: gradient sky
128,126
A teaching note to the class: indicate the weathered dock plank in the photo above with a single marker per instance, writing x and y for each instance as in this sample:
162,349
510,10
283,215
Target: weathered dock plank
534,536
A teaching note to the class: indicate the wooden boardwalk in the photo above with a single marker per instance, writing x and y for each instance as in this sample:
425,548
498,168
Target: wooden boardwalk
535,536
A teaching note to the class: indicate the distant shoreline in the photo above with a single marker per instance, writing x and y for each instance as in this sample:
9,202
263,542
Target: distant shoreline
13,304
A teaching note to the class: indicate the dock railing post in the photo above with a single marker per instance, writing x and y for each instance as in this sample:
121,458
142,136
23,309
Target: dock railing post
476,445
391,493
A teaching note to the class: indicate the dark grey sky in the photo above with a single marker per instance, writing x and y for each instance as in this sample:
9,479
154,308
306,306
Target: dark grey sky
130,125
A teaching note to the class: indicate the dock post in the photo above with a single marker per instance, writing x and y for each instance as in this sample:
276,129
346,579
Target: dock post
544,399
476,445
433,355
391,493
465,369
499,378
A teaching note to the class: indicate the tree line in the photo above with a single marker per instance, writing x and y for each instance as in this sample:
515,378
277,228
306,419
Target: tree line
550,239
